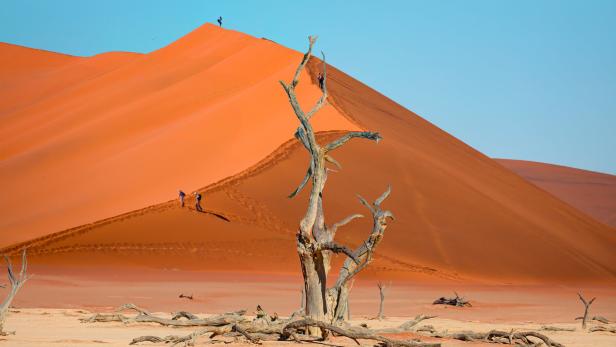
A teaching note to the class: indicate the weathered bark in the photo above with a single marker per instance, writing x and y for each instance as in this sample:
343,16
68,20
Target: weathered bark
16,283
586,307
315,240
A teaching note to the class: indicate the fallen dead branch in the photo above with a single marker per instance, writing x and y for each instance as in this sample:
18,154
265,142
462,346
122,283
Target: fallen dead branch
404,327
145,317
354,334
552,328
603,328
134,308
184,314
457,301
600,319
495,336
266,327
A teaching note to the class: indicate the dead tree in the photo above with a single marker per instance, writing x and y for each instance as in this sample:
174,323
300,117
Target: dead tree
315,239
586,307
16,283
457,301
382,290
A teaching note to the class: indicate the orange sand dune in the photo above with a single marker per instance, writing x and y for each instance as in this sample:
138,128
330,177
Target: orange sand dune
591,192
83,139
207,111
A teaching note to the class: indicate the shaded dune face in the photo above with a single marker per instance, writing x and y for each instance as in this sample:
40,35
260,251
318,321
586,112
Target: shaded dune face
207,111
593,193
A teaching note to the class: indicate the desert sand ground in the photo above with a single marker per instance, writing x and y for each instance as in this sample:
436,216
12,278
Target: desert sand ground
47,312
61,327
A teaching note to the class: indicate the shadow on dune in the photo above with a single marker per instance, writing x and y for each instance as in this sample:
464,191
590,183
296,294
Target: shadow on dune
217,215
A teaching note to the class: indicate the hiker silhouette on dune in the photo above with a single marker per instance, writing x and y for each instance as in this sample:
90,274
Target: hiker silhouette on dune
321,80
219,20
182,195
198,202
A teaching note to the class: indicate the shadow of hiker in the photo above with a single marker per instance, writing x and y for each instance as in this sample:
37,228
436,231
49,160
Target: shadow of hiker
217,215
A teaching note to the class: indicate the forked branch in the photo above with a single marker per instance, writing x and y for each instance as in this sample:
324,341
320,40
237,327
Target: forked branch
350,135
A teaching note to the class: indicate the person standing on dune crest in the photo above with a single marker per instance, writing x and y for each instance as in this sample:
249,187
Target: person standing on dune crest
219,20
198,203
321,80
182,195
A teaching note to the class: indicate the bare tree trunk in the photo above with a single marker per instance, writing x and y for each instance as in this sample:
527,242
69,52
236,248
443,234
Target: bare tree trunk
315,240
382,290
16,283
586,307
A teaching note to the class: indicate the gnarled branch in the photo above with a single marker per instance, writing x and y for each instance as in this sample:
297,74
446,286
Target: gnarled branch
303,183
350,135
344,222
337,248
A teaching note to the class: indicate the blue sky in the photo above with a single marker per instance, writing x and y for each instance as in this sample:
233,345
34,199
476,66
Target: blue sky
532,80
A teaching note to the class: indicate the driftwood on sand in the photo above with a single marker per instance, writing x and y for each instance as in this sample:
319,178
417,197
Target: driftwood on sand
236,327
457,301
517,338
264,327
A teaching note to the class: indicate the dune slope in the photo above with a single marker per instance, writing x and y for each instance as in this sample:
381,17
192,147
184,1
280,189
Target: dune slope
593,193
90,138
207,111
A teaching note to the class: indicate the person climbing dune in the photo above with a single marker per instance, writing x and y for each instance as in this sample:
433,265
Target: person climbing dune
181,195
198,202
219,20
